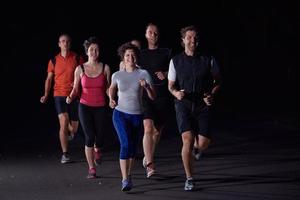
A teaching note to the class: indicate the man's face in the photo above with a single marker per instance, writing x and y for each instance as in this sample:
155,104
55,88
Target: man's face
64,42
190,40
152,34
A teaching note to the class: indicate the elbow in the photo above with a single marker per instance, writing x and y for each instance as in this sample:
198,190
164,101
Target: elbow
153,96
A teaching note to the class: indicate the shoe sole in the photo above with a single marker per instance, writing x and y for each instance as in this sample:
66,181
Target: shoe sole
91,176
125,189
65,162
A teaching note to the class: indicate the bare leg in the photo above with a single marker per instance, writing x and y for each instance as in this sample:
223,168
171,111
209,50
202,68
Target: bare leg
148,143
186,152
73,127
202,142
90,156
156,138
63,131
124,165
131,163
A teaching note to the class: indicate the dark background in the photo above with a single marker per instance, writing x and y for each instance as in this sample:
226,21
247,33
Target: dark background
256,45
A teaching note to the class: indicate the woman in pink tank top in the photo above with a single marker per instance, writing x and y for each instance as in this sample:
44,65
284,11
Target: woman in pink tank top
91,81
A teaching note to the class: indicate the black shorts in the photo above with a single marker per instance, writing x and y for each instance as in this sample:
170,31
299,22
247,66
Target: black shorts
62,107
191,117
158,110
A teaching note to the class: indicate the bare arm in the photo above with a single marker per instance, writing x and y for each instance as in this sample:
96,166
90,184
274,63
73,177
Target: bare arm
217,84
112,95
161,75
178,94
209,97
76,85
48,86
149,89
108,78
121,66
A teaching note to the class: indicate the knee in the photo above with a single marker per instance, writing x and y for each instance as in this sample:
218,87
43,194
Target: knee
64,129
74,128
124,153
148,126
187,139
203,143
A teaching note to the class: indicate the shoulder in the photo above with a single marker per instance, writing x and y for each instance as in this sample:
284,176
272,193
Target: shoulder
177,56
79,68
116,74
54,58
106,66
142,72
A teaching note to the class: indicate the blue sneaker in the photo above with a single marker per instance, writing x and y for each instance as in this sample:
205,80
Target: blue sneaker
126,185
130,181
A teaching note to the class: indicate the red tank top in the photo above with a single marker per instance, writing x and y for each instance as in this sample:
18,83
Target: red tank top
93,90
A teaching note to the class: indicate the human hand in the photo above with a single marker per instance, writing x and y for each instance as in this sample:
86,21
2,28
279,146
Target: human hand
161,75
43,99
179,94
144,83
112,103
68,100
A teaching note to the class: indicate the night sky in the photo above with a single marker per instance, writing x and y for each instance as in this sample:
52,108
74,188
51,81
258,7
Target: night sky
256,46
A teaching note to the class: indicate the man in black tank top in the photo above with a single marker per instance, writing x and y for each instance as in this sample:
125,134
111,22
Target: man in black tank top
194,81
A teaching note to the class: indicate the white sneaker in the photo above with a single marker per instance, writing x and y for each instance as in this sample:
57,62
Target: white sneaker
144,162
65,159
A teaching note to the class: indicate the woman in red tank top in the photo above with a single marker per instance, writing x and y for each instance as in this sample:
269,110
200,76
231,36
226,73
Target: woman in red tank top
91,82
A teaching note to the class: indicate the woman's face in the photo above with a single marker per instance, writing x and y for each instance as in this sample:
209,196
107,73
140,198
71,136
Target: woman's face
93,51
130,57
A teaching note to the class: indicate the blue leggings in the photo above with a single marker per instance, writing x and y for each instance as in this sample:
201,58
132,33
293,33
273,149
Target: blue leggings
129,128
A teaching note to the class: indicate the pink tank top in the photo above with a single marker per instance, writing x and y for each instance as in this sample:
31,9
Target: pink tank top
93,90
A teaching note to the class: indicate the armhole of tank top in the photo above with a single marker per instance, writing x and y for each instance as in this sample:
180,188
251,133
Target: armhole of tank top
82,68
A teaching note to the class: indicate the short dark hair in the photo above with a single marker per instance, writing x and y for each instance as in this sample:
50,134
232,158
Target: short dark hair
128,46
188,28
92,40
152,24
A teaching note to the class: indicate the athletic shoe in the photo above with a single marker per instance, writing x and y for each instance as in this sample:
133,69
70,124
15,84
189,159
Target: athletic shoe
189,184
92,173
126,185
150,171
144,162
65,158
97,157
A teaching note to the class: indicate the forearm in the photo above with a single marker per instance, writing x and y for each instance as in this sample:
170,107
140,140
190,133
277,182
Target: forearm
215,90
48,84
172,89
74,93
150,92
112,93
